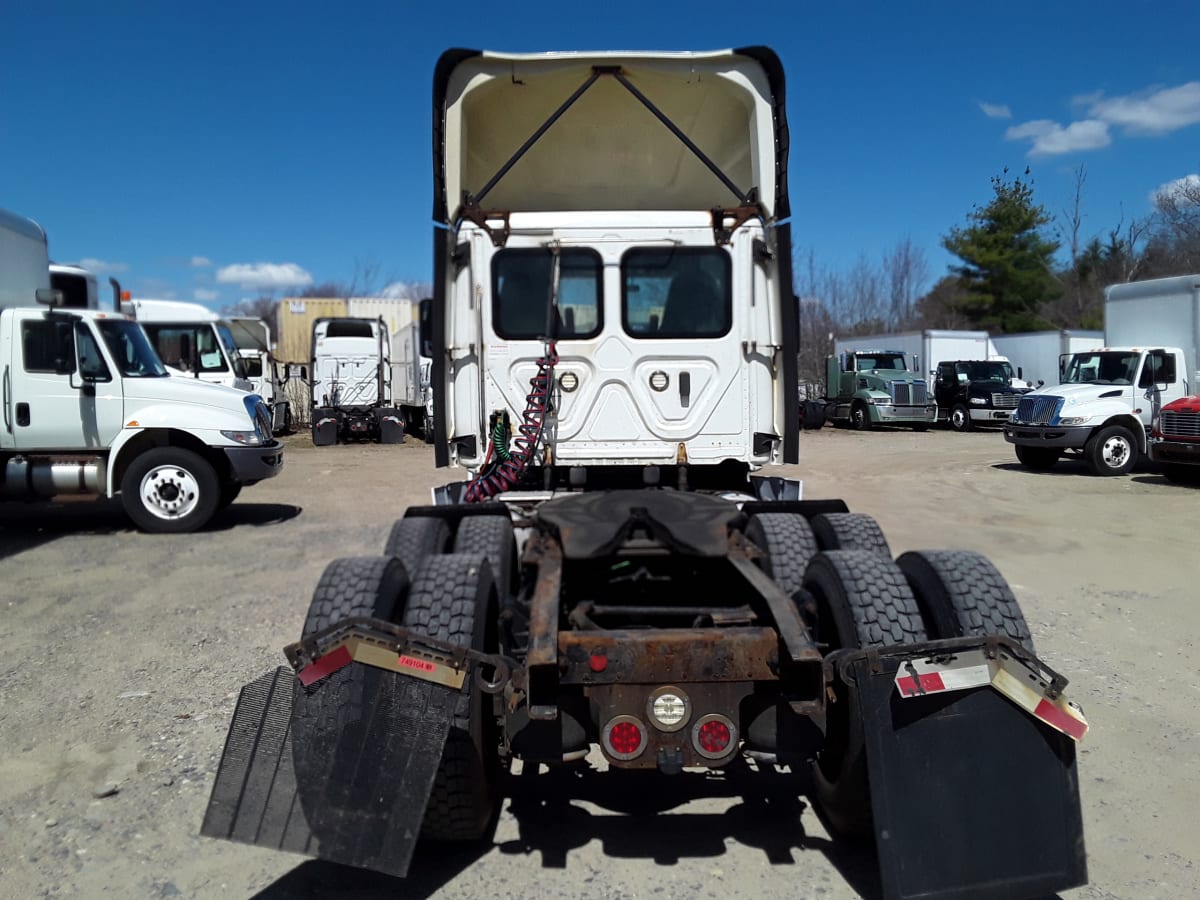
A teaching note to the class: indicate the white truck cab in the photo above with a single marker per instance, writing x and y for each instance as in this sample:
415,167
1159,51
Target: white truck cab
192,340
89,408
623,329
1104,408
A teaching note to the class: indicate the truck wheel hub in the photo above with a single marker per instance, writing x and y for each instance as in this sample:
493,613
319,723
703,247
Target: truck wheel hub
169,492
1116,452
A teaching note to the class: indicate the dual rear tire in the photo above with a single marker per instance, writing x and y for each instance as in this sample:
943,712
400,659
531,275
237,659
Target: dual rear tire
450,596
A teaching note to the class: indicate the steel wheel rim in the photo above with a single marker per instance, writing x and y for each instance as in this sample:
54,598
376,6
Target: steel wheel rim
957,418
169,492
1115,452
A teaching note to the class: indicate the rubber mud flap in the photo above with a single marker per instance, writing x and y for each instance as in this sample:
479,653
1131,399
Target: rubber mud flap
971,796
365,801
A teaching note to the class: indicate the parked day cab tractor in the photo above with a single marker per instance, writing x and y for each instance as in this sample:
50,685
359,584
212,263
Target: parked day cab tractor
613,334
350,381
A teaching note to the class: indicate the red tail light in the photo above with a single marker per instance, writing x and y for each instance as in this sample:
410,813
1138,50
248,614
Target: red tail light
624,737
714,736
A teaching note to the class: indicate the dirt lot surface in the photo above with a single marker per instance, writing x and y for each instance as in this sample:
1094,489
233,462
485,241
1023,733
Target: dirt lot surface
121,655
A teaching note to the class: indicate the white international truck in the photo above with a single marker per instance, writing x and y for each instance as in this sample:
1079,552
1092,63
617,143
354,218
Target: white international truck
89,408
191,340
1110,398
614,333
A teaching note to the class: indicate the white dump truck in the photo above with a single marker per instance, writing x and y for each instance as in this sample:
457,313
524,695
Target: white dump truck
613,334
89,408
1110,397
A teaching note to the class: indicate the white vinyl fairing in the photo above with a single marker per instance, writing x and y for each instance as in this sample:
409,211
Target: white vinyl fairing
608,150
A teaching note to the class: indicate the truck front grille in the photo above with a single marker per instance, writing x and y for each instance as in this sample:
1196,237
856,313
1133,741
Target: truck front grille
1176,424
906,393
1005,401
1037,410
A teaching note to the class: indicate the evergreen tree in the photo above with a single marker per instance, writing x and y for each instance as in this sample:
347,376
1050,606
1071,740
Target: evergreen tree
1007,272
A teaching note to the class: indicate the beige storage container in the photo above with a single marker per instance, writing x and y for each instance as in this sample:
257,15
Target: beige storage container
296,317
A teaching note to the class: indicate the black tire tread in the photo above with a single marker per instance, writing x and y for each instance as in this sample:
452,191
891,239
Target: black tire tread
963,594
850,531
448,601
491,537
788,542
882,607
415,538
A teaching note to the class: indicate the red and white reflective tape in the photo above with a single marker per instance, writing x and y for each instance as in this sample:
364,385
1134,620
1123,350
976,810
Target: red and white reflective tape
1011,677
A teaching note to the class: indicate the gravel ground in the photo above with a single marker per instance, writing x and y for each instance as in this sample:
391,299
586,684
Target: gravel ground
121,655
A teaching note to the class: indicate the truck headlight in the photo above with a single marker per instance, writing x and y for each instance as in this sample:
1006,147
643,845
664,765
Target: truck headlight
979,401
249,438
1074,420
879,401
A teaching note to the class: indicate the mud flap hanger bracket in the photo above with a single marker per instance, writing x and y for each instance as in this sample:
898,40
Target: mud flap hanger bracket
496,222
840,661
381,644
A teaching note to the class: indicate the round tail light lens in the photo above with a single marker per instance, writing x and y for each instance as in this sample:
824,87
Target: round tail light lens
714,736
624,738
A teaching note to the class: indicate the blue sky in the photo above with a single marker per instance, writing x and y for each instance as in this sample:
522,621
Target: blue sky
207,151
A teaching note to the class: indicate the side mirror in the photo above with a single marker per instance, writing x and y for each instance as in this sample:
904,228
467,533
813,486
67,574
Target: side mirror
1166,375
50,296
425,326
1020,373
962,378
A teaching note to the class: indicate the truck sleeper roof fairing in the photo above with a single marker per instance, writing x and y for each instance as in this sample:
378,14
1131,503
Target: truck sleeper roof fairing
595,131
729,103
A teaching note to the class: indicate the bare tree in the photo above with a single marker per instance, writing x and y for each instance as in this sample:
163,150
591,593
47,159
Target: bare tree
905,271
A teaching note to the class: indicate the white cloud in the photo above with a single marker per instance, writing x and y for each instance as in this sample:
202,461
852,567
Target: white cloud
1184,190
201,262
264,275
995,111
1050,139
1153,111
100,267
205,296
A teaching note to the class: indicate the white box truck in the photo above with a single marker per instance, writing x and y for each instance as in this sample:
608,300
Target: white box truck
925,349
89,408
1039,357
1110,398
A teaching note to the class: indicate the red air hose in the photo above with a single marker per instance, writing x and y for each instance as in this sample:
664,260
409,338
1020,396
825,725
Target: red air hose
499,474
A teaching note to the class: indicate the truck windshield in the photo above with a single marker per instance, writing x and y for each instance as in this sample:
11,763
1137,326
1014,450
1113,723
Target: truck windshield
131,349
985,371
893,362
231,350
1107,367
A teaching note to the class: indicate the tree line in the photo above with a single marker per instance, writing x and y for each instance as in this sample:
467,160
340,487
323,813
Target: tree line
1018,268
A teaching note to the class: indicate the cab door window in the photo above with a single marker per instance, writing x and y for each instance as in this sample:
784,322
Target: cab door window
48,345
